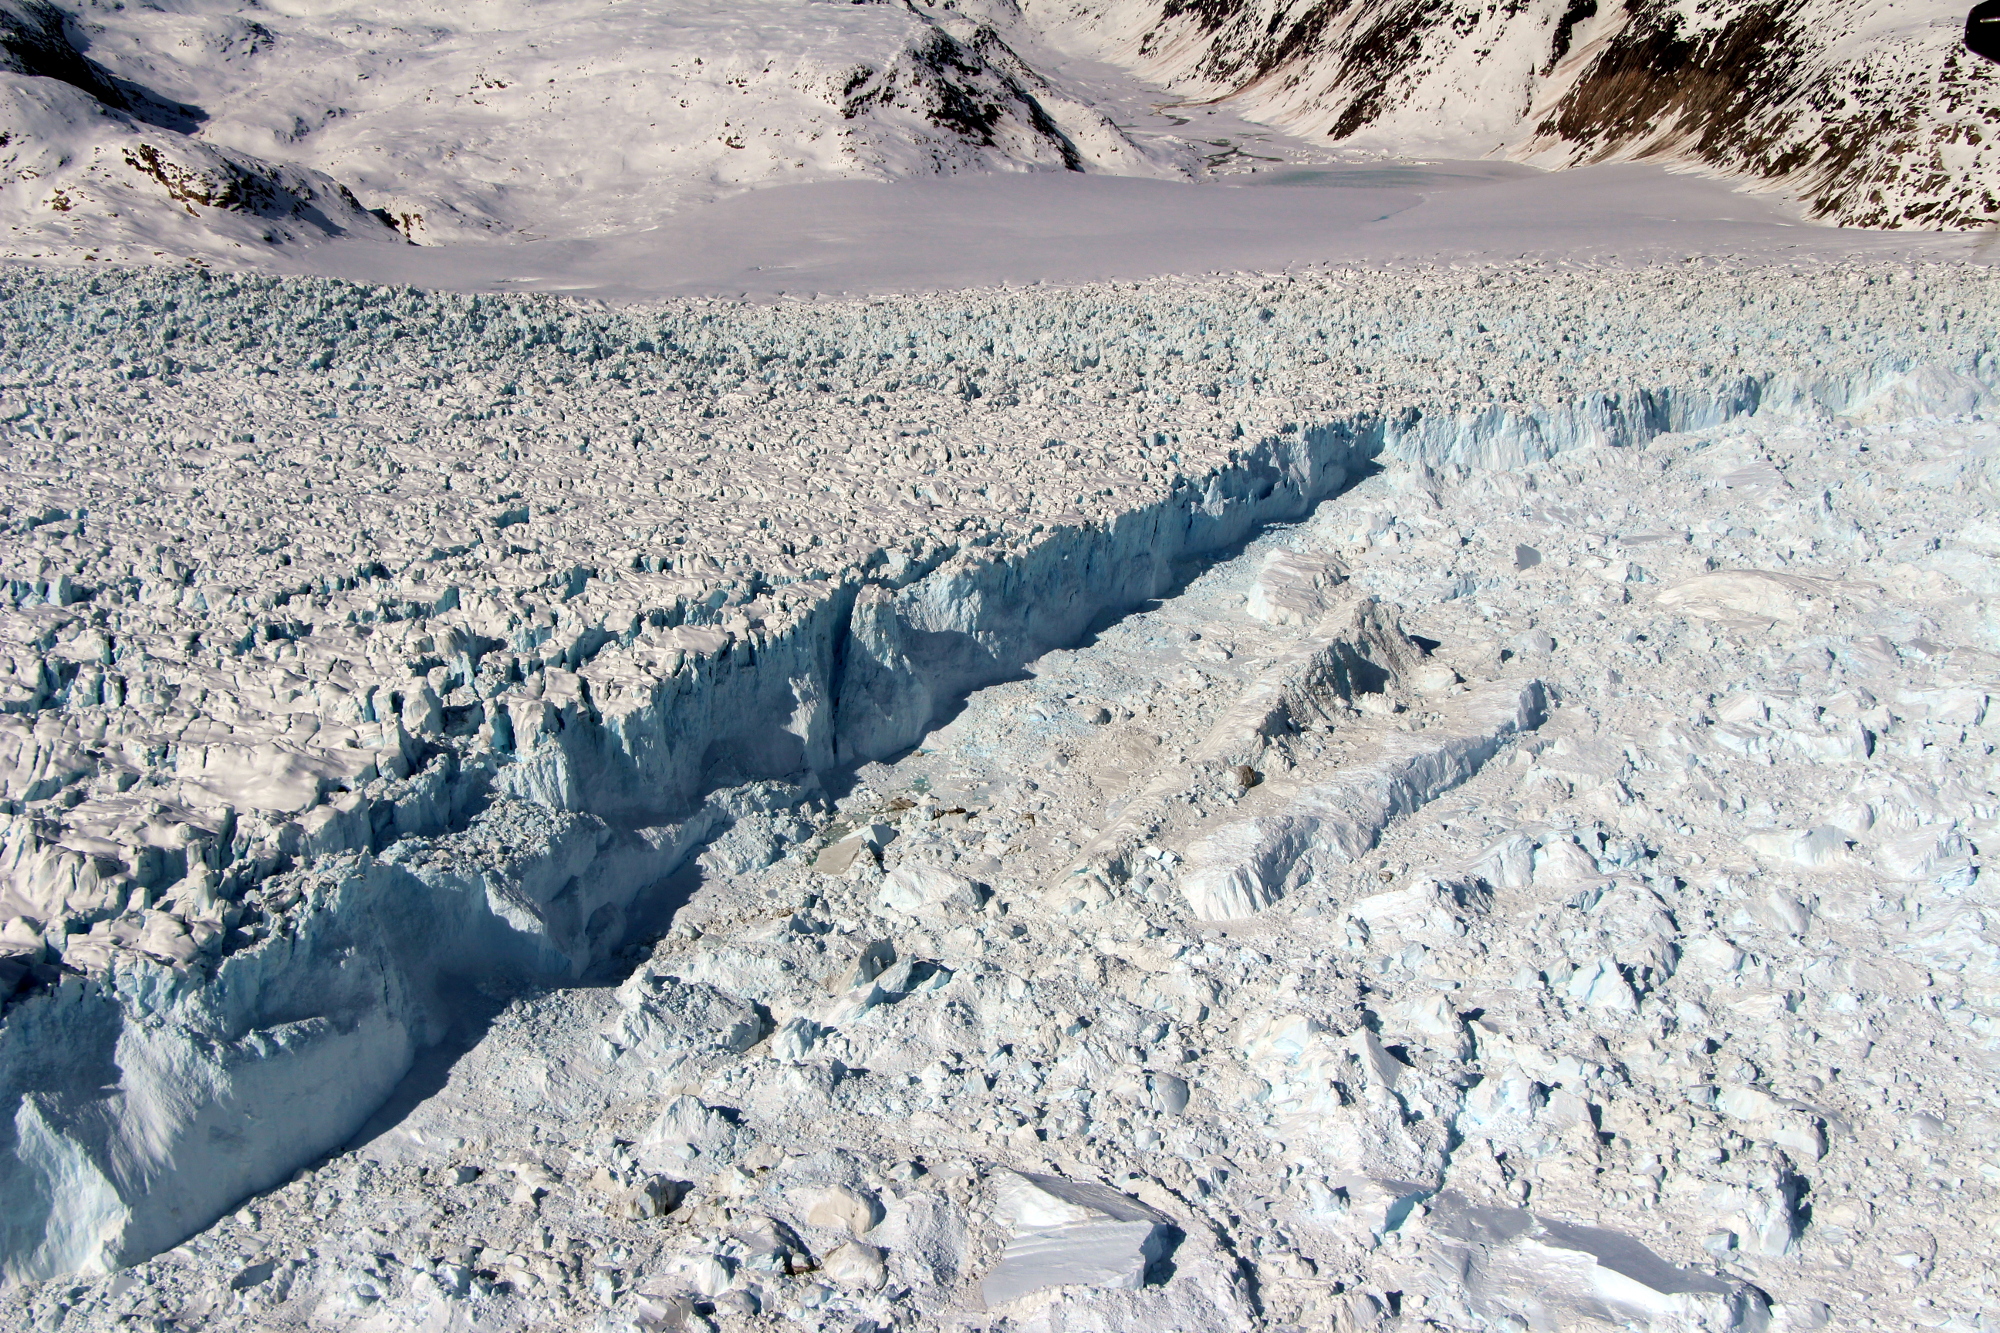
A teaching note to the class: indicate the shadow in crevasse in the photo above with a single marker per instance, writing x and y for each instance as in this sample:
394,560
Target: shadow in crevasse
470,1005
41,41
1161,1269
475,1007
840,781
1183,573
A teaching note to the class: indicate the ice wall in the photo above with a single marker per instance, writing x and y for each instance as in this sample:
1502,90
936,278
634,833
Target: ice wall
148,1090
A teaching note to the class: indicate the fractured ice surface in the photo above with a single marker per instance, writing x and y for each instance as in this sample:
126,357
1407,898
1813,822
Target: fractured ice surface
1070,1233
1246,867
1566,1049
292,780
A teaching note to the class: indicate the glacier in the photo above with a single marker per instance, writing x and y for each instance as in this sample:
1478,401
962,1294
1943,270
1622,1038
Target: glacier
568,598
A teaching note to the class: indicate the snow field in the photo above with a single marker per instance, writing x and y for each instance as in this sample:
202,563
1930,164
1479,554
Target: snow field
365,643
324,137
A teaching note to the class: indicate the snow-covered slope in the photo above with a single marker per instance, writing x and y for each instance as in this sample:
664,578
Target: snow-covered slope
87,156
234,131
1871,110
206,125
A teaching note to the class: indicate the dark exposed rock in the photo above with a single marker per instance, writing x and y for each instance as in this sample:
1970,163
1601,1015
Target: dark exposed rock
1871,126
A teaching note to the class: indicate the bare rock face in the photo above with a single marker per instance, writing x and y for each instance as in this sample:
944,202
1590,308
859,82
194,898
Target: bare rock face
1801,96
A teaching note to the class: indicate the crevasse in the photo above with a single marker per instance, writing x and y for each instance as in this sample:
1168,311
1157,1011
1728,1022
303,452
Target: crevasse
144,1103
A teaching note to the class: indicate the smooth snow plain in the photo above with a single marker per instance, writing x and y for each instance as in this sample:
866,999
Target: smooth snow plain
1294,208
1515,896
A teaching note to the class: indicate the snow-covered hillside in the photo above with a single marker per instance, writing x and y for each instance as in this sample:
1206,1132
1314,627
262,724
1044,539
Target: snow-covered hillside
206,126
238,132
1870,110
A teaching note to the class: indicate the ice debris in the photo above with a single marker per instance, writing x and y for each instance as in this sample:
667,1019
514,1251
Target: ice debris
529,607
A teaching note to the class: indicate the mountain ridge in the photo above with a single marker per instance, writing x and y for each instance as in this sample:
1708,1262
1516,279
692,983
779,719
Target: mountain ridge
224,131
1872,113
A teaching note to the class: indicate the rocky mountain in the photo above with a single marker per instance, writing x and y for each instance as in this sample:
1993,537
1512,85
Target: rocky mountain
218,129
88,154
1871,111
206,126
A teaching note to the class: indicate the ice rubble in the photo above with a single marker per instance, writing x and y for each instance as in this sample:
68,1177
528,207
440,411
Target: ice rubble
1066,1233
369,645
1568,1048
